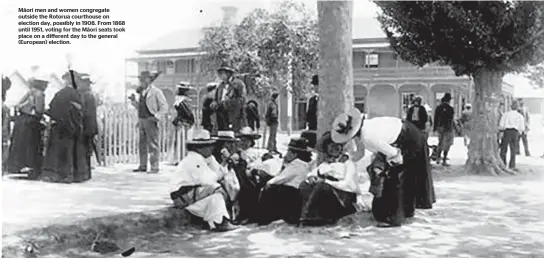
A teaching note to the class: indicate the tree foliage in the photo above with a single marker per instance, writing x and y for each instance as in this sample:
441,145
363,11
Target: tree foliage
501,36
269,46
536,75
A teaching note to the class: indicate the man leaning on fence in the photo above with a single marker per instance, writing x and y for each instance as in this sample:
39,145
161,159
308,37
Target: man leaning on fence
151,106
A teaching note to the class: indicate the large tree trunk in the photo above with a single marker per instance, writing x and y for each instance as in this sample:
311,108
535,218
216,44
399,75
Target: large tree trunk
483,154
335,60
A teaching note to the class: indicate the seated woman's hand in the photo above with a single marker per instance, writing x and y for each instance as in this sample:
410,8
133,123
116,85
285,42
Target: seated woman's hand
313,179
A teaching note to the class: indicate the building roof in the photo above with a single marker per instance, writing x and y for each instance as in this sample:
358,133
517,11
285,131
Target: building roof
363,28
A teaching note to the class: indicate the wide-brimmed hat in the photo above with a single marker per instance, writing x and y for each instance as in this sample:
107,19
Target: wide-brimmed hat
201,137
252,102
226,67
346,125
183,87
226,135
299,144
147,74
39,84
86,78
247,132
311,136
418,98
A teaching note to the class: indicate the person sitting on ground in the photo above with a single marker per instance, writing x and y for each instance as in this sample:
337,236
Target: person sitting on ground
280,198
196,186
330,191
225,158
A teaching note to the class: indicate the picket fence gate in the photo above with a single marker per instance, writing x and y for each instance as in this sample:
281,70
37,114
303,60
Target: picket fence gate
118,137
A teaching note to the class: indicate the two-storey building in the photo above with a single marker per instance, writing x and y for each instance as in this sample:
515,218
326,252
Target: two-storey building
383,83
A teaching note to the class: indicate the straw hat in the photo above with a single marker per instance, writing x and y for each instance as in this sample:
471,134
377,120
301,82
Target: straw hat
248,133
201,137
226,135
346,125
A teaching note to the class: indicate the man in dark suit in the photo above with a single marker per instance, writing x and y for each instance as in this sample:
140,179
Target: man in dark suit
253,118
443,124
208,118
229,101
417,114
311,114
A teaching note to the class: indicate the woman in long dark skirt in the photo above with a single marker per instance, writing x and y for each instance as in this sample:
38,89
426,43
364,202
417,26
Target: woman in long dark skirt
403,144
25,150
280,198
330,191
61,160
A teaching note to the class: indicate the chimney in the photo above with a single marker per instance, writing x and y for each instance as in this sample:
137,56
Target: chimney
229,14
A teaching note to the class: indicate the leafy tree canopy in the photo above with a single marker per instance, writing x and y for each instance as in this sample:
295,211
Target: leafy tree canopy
502,36
536,75
267,46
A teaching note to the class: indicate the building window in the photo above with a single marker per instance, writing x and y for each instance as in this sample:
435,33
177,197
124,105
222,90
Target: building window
161,66
154,66
191,66
360,103
371,60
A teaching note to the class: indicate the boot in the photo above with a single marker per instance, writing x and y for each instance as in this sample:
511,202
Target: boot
224,226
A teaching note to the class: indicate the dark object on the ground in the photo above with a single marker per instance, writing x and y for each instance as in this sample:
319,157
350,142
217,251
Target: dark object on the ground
104,247
128,252
434,152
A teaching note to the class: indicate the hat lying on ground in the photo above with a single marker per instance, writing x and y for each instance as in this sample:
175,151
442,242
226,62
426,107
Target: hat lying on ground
346,126
201,137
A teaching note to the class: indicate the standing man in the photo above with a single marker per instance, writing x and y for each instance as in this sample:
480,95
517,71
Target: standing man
209,121
466,121
229,101
417,114
85,140
272,122
152,106
443,124
311,114
511,124
523,135
252,113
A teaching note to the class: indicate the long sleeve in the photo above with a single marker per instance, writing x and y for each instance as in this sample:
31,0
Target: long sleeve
502,122
293,174
521,124
379,133
356,149
162,104
350,183
39,102
436,118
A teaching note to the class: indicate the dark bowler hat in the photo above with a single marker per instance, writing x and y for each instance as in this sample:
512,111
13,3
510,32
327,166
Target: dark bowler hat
311,136
315,80
226,67
299,144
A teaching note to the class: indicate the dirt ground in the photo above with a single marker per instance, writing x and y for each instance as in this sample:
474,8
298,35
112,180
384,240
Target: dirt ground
475,216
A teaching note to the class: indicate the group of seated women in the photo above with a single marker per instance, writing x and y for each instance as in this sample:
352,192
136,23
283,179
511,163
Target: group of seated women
225,180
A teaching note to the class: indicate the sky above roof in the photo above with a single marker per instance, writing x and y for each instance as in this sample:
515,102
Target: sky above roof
146,21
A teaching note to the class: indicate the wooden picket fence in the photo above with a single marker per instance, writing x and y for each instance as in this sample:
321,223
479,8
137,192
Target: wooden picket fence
118,136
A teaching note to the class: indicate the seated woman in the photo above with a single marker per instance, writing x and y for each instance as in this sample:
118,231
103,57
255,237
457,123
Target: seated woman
402,143
196,186
280,198
330,191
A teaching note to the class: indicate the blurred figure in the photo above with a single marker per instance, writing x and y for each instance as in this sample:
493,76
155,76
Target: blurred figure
229,100
311,114
209,121
25,151
466,122
417,114
86,144
6,127
272,114
253,118
512,124
523,135
183,122
443,124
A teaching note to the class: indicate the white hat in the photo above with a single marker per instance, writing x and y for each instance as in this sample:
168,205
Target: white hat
346,125
248,132
201,137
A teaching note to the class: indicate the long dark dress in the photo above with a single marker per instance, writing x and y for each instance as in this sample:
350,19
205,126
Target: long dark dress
85,141
61,159
324,204
26,140
386,188
250,187
279,202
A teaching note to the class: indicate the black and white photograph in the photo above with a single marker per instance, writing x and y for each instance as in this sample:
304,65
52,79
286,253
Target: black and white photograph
272,128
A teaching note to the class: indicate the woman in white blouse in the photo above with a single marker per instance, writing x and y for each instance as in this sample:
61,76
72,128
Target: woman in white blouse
330,190
280,198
